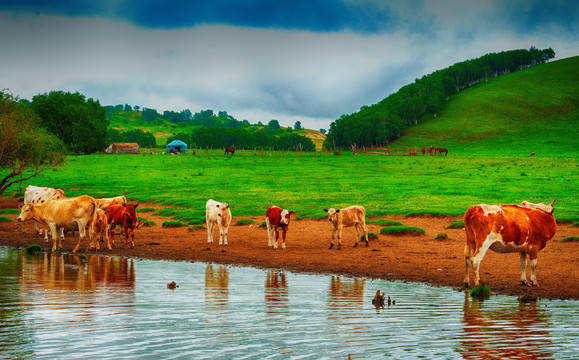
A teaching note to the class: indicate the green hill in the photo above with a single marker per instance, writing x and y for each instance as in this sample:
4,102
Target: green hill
532,110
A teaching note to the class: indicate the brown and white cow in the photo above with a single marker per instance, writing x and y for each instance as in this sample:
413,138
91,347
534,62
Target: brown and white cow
101,226
40,195
507,228
276,220
103,203
350,216
220,214
126,216
70,213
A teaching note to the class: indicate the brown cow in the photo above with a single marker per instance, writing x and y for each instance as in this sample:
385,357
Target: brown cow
126,216
230,149
507,228
39,195
350,216
70,213
276,220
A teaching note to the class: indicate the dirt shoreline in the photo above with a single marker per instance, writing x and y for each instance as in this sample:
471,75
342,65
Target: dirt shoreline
404,258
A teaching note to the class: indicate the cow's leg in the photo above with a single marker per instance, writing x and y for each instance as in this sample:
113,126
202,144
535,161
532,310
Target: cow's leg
533,255
468,262
106,237
479,255
269,233
523,258
111,230
220,226
365,232
333,235
358,233
54,237
276,231
45,234
62,234
82,234
91,235
225,231
132,230
283,238
340,238
209,231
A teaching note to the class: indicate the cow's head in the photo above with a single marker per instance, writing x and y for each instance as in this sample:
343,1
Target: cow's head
131,213
333,214
222,209
285,217
25,212
101,215
540,206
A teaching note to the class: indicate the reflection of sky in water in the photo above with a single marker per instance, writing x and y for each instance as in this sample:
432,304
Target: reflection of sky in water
66,306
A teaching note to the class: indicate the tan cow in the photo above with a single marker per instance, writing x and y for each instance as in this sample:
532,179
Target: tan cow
103,203
71,213
220,214
350,216
102,228
40,195
507,228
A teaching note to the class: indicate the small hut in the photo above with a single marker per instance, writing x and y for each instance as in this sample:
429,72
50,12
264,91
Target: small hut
123,148
176,147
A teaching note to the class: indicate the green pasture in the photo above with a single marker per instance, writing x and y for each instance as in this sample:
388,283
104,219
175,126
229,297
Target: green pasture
307,184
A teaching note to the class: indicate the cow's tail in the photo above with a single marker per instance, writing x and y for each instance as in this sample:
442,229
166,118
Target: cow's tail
91,227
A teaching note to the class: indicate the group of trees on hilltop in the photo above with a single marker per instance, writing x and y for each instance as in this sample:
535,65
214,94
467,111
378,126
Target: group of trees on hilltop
382,122
216,137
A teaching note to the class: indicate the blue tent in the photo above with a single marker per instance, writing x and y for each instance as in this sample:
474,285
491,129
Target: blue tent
177,146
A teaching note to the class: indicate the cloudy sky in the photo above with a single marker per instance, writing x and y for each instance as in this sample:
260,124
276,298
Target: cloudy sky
306,60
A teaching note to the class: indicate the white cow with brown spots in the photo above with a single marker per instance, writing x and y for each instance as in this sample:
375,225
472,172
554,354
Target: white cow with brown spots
220,214
103,203
40,195
347,217
71,213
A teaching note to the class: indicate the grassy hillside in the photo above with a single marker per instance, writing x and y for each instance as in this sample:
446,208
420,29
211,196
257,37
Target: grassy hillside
533,110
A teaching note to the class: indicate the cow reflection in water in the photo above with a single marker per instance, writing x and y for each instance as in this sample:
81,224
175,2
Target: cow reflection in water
216,285
71,272
345,302
505,333
276,296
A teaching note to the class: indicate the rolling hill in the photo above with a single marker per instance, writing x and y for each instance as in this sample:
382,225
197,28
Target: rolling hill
532,110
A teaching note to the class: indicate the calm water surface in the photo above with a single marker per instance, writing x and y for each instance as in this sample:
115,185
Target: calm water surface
65,306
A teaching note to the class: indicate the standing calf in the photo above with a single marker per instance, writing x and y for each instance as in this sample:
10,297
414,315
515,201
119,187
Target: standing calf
350,216
101,228
220,214
276,219
126,216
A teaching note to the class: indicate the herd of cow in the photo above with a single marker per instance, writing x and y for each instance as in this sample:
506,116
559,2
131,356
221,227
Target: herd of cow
524,228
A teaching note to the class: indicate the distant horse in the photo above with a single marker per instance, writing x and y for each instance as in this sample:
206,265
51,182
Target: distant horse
230,149
441,150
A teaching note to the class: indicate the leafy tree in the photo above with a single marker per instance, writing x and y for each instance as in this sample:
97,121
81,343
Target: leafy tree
24,144
298,125
81,124
274,124
149,114
323,131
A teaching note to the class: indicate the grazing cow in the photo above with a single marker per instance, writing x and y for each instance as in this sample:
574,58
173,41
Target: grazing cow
126,216
101,228
39,195
70,213
230,149
276,219
103,203
442,150
350,216
507,228
220,214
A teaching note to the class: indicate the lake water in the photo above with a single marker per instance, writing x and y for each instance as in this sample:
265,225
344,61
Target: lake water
66,306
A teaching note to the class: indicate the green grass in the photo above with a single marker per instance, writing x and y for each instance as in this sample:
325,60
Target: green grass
458,224
402,230
441,236
480,291
570,238
244,222
171,224
33,249
5,219
384,222
195,227
146,209
9,211
146,222
371,236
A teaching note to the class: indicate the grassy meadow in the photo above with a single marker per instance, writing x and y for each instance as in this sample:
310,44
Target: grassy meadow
307,184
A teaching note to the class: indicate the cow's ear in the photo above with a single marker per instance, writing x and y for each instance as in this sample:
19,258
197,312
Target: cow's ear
338,210
325,210
291,212
226,207
136,206
20,206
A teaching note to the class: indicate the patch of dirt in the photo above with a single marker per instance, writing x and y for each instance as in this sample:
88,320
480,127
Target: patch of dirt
407,258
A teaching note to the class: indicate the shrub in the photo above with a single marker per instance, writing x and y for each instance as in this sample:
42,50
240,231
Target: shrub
244,222
195,227
33,249
10,211
263,225
371,236
146,222
570,238
402,230
146,209
173,224
5,219
458,224
384,222
441,236
480,291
